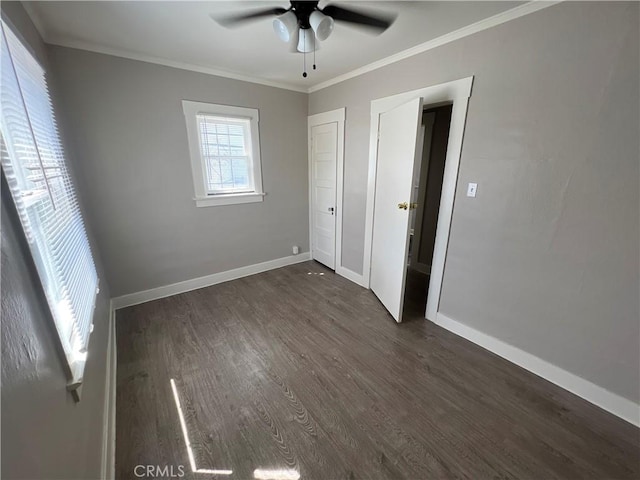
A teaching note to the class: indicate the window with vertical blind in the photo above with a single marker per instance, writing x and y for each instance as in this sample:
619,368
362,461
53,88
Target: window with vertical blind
34,166
224,148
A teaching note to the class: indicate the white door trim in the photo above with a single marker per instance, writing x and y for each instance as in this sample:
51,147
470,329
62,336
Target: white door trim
337,116
458,92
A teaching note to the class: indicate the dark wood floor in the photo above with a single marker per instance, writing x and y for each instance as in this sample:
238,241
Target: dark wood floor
292,370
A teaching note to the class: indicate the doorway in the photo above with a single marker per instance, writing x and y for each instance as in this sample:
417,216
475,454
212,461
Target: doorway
395,145
427,189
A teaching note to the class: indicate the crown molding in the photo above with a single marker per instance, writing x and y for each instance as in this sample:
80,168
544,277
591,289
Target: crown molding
122,53
36,19
495,20
498,19
115,52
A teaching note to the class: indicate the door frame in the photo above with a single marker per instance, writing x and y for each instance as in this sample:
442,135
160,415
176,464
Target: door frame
333,116
456,92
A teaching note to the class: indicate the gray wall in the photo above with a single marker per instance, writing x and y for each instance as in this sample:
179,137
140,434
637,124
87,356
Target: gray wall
129,130
546,256
45,434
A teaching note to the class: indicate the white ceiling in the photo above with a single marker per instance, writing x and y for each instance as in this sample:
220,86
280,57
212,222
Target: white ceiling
183,34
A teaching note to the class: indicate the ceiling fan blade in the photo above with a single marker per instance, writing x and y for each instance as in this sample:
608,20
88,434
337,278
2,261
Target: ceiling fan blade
231,20
374,20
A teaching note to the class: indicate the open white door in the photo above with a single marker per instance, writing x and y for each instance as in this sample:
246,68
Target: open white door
397,140
324,147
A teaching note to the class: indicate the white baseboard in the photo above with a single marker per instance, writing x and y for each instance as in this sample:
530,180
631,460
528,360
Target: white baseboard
206,281
351,275
109,413
609,401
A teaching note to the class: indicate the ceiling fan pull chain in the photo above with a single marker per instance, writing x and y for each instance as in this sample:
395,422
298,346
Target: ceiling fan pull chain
304,54
304,16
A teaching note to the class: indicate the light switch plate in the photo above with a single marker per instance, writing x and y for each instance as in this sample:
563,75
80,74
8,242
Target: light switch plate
472,189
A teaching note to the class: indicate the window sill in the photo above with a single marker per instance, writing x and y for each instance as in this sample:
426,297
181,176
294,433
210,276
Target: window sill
229,199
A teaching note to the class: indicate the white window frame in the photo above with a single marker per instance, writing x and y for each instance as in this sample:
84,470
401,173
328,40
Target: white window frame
202,198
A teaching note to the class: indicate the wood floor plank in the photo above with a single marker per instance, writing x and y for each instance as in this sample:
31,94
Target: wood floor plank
299,368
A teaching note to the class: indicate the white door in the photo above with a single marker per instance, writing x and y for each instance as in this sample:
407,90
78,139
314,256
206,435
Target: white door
397,141
324,149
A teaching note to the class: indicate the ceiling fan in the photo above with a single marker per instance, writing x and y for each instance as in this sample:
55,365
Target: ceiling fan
304,22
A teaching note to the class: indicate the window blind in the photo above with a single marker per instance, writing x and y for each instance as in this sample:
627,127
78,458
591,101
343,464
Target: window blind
224,144
35,168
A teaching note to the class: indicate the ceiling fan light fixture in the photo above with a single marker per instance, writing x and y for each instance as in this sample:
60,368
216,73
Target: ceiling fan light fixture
293,43
306,41
285,25
322,24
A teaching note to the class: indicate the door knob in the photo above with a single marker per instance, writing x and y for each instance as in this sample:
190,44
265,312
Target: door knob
403,206
331,210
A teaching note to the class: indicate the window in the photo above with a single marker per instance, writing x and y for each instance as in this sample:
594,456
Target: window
224,146
35,169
